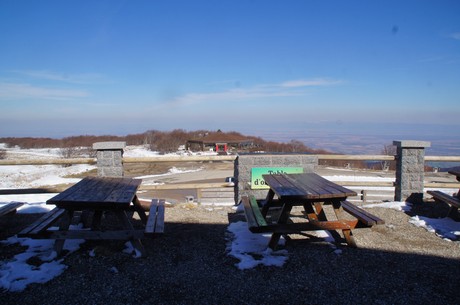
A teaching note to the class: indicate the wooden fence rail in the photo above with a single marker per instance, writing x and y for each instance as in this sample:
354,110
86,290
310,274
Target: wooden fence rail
357,157
54,161
58,161
199,186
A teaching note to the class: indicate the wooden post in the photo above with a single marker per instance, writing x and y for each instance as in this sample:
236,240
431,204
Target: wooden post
364,195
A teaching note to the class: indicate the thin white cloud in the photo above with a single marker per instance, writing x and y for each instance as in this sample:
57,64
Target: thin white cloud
9,91
234,82
310,82
455,35
234,95
284,89
83,78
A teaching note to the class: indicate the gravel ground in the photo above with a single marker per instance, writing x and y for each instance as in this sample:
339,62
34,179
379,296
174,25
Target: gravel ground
397,263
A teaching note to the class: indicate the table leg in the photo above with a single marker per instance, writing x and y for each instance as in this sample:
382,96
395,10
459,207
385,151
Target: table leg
311,214
137,244
140,210
347,233
268,200
63,226
282,219
96,223
318,214
320,211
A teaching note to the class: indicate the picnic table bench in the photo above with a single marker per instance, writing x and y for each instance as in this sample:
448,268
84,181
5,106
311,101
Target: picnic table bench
99,196
452,200
10,208
310,191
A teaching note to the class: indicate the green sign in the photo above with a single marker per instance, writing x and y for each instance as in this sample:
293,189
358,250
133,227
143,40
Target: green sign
257,181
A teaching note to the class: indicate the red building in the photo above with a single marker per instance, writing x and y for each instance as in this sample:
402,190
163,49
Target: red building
219,142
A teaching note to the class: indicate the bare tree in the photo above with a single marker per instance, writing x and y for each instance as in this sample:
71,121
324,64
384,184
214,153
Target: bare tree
69,152
388,150
297,146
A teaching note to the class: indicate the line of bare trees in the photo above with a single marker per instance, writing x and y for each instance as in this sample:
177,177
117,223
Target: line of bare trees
162,141
170,141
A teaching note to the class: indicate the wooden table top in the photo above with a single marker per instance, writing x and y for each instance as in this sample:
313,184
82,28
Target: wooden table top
98,193
306,186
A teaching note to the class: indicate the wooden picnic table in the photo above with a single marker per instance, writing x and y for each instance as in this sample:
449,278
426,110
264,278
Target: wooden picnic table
312,192
98,195
452,200
456,173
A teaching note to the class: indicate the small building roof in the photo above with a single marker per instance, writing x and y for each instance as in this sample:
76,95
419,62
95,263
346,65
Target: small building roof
219,137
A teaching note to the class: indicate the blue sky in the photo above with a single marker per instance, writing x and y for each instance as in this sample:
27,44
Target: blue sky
120,67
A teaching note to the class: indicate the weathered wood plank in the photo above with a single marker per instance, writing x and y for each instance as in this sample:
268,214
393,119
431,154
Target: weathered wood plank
155,222
98,193
311,185
313,225
160,224
54,189
49,161
250,218
219,189
364,216
123,191
455,173
74,191
135,242
43,223
253,214
443,197
281,186
306,186
10,208
454,202
140,210
177,159
319,187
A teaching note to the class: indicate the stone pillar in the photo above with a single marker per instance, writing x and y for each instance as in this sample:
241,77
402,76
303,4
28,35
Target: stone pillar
410,170
109,158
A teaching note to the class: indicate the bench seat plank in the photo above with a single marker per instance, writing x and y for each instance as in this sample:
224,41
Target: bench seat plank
155,221
10,208
40,225
453,201
438,195
313,225
49,219
253,214
367,218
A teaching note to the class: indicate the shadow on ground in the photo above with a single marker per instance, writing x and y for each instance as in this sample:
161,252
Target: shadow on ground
189,265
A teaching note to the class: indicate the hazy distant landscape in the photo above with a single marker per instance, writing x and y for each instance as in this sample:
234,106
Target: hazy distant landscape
351,139
368,138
